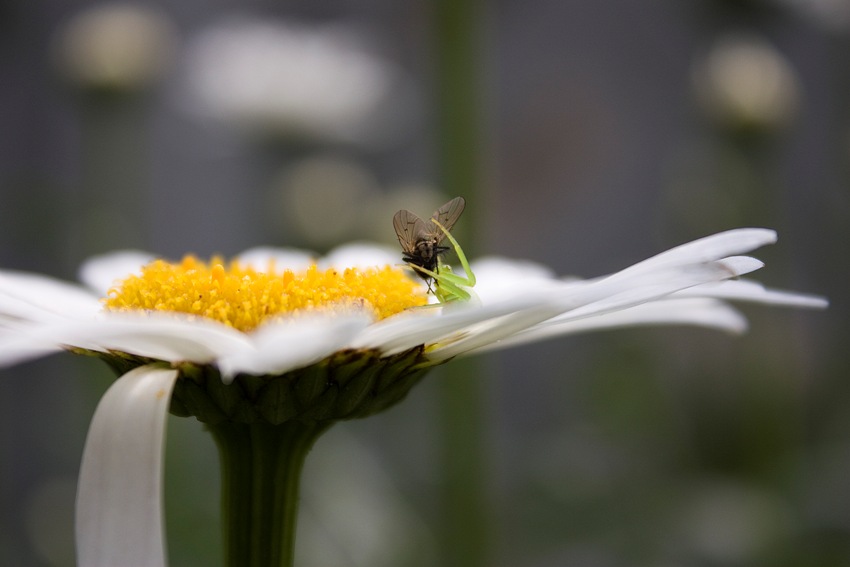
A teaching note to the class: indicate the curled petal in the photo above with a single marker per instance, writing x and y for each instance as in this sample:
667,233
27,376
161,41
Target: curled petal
119,496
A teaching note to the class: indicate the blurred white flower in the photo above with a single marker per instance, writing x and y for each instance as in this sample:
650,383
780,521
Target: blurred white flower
288,80
326,199
744,81
119,47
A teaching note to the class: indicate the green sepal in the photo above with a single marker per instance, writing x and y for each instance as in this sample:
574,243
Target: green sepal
348,384
277,403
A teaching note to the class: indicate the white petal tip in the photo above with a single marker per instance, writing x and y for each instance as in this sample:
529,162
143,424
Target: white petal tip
740,265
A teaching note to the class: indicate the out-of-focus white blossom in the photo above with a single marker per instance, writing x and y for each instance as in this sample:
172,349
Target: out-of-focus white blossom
743,81
287,80
120,47
326,199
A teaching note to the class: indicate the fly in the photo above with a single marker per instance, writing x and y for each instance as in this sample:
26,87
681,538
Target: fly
421,241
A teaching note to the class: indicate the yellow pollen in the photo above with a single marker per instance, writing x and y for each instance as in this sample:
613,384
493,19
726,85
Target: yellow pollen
244,298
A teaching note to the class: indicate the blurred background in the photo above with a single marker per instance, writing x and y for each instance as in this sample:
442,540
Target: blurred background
608,131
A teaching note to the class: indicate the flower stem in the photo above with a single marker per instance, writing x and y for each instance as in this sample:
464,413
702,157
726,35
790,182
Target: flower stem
464,535
261,472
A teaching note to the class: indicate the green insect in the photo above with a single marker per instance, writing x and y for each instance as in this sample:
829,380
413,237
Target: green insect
421,242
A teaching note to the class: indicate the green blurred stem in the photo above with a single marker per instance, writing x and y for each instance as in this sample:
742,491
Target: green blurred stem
464,530
261,471
460,107
464,535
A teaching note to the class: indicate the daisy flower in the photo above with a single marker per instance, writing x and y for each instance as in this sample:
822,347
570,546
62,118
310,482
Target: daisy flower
272,348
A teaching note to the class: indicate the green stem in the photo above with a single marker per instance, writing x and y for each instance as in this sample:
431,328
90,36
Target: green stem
465,528
459,108
261,471
464,534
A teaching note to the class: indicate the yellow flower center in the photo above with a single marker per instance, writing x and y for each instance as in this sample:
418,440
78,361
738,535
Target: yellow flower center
244,298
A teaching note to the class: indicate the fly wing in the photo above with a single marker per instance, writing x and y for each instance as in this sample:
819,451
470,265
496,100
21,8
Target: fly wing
409,228
447,216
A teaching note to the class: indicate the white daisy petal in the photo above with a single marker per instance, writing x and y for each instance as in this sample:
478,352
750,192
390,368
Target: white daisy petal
616,292
706,249
496,266
740,265
700,312
165,336
40,298
492,331
284,345
119,495
282,258
15,349
361,255
576,300
162,336
426,325
747,290
498,278
100,273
